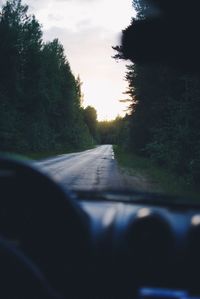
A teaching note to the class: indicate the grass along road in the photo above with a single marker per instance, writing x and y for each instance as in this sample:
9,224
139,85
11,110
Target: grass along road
146,176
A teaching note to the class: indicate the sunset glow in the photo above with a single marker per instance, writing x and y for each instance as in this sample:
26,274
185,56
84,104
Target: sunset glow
88,29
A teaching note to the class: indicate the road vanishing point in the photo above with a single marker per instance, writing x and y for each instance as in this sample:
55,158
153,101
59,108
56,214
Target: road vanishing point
94,169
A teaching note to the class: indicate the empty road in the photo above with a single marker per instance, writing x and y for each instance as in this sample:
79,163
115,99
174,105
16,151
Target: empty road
94,169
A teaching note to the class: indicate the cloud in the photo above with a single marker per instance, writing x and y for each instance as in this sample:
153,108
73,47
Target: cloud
88,29
86,48
89,52
76,1
40,4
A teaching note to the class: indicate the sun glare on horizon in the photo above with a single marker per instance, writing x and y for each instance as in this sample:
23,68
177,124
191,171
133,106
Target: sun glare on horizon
105,101
88,30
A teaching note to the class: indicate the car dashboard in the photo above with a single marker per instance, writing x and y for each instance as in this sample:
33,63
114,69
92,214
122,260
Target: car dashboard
149,250
60,244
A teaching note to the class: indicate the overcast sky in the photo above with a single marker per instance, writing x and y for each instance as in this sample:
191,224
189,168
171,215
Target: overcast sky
88,29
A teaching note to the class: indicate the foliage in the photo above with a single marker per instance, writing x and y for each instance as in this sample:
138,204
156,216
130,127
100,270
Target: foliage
115,131
160,180
90,117
40,99
164,122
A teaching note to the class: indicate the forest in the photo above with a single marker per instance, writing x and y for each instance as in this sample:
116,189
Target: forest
163,79
40,98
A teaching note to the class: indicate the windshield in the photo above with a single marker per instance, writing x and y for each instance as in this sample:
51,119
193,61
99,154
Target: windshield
103,95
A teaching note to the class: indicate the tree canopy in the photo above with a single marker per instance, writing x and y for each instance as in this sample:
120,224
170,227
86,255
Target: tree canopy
40,99
90,117
164,87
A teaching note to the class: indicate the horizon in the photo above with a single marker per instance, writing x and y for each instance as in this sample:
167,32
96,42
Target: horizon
88,29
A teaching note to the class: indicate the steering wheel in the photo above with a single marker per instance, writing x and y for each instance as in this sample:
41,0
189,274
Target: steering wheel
20,277
42,220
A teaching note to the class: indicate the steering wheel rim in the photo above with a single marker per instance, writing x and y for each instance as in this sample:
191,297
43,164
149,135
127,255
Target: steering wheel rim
42,218
20,277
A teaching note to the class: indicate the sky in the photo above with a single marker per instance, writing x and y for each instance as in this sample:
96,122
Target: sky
88,29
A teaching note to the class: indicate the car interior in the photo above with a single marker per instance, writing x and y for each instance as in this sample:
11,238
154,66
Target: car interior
93,244
56,243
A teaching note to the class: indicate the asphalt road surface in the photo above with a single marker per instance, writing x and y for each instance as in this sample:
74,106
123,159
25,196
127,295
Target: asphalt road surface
94,169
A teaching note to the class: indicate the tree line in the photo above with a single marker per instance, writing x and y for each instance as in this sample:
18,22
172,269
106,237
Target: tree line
40,99
114,131
164,122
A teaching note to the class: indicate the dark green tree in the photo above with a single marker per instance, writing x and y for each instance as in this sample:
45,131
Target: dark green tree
40,99
164,122
90,117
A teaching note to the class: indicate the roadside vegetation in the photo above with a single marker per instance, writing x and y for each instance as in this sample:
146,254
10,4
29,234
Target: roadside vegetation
41,111
40,99
163,99
160,179
113,132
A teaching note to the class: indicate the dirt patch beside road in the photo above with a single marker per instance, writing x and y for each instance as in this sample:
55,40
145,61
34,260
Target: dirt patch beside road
133,180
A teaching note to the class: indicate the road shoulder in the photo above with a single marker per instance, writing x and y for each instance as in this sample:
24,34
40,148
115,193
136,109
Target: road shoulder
143,175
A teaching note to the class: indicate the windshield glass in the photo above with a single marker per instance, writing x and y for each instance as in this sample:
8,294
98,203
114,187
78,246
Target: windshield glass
103,95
